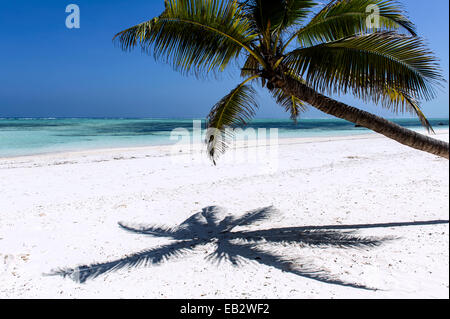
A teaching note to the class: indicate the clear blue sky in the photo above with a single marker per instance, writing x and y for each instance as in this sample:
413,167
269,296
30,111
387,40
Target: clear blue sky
48,70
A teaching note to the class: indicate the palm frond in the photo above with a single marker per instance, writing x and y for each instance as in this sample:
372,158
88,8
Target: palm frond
234,110
368,64
251,67
401,102
193,35
293,105
343,18
277,14
295,12
270,18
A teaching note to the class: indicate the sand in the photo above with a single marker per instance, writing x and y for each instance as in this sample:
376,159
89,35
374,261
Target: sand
346,217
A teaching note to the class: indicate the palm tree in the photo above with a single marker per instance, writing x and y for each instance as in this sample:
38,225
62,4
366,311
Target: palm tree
368,48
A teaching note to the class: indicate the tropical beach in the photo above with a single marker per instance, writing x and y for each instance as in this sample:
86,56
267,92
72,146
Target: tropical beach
214,150
359,217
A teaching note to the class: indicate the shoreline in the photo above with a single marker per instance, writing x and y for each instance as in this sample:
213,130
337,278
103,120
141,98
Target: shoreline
360,211
164,148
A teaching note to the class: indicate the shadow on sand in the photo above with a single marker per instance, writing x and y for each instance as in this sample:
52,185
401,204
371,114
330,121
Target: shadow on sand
214,226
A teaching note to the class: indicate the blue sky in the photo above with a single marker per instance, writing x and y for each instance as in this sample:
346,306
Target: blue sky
48,70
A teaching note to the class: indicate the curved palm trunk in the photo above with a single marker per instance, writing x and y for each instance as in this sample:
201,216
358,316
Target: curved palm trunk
363,118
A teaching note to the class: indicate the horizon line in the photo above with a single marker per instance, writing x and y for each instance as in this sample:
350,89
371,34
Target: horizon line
185,118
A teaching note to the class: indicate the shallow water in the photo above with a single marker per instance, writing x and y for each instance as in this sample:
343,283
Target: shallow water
36,136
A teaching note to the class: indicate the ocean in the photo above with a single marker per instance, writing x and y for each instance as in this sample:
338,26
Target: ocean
29,136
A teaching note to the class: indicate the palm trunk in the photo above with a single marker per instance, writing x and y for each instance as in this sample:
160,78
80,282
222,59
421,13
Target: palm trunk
363,118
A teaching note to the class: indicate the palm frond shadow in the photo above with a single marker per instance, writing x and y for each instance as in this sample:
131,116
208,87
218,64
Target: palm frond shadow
214,226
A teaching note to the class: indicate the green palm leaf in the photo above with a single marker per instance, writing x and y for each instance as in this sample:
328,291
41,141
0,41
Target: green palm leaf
293,105
193,35
277,14
401,102
234,110
366,65
251,67
343,18
295,12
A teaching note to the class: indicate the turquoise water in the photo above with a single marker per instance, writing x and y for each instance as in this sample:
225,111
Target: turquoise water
36,136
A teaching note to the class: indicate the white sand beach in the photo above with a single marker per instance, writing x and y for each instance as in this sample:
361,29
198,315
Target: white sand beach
351,217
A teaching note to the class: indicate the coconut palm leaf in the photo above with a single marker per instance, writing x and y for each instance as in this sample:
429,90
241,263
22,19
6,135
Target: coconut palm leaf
251,67
293,105
234,110
344,18
368,64
401,102
295,12
270,18
193,35
277,14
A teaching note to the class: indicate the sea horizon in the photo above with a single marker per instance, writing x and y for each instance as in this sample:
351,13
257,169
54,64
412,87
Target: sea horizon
190,118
